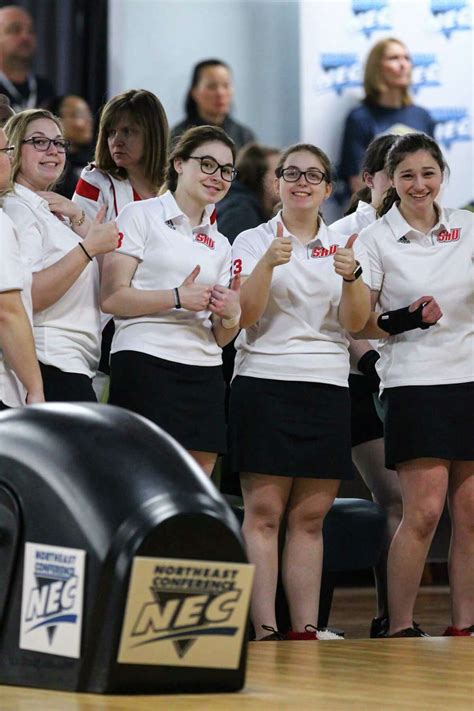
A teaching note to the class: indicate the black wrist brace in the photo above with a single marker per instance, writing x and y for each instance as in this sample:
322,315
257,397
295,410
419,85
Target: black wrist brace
366,364
401,320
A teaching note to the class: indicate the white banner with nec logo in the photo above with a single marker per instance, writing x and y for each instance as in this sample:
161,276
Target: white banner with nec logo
336,36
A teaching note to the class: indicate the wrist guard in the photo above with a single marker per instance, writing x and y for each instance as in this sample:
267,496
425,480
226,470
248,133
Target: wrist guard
366,366
401,320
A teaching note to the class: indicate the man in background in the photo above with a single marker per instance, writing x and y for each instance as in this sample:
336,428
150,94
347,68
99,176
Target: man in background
25,89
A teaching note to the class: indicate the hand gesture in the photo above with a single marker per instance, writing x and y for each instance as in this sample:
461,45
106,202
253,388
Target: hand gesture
344,260
279,252
194,297
225,302
430,311
102,237
60,205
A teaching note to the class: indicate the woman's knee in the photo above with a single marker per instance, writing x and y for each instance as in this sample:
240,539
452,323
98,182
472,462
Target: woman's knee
423,520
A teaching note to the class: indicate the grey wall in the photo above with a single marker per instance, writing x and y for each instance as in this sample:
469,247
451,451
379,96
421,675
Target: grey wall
153,44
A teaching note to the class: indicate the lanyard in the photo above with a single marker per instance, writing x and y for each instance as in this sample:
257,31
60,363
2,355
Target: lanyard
20,102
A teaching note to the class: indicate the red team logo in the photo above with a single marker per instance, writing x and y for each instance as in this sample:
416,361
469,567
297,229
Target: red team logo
451,236
205,239
323,252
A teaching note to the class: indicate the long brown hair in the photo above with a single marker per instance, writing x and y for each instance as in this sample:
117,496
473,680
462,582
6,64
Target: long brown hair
148,113
373,81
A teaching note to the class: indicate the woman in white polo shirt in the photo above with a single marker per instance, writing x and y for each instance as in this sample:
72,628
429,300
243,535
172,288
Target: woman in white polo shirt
167,287
368,451
289,406
422,279
20,377
62,256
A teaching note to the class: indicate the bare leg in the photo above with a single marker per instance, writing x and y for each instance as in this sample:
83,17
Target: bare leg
383,483
309,502
461,552
265,499
206,460
424,484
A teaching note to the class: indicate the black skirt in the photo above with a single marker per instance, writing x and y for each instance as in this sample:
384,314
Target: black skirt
60,386
365,422
429,421
296,429
187,401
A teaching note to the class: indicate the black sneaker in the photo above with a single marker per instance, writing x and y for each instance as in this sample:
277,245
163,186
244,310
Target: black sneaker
410,632
379,627
274,635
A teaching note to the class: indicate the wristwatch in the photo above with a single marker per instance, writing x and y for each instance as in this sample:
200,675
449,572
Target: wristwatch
356,273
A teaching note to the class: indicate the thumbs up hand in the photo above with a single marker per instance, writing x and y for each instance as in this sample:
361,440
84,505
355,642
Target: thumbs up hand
102,237
279,251
194,297
226,302
344,260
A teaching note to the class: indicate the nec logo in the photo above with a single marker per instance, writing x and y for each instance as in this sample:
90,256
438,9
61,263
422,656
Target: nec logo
451,236
370,16
452,125
205,239
451,16
425,71
341,71
323,252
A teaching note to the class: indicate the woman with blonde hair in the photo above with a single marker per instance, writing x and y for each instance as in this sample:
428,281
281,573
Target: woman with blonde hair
61,253
387,107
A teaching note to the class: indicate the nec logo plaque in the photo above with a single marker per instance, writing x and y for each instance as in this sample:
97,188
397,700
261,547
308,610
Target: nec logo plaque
186,613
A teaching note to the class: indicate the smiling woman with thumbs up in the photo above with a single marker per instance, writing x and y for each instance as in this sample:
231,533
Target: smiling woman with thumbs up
60,248
289,409
168,287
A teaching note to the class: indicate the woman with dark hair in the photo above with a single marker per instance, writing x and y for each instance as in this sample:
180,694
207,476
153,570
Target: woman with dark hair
168,289
422,254
61,253
209,100
130,155
289,407
252,197
366,426
387,107
78,126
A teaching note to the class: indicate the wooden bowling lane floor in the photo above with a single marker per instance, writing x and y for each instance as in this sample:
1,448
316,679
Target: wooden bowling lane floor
355,674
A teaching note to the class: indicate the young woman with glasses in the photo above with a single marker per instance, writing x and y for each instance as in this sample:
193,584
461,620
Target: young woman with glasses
302,290
20,376
61,253
168,289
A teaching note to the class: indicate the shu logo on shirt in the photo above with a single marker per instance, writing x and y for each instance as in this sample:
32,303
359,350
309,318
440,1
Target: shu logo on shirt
403,240
205,239
449,236
323,252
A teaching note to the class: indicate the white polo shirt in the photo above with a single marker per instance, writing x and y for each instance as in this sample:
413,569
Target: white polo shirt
406,264
356,221
299,336
67,334
96,188
14,276
160,236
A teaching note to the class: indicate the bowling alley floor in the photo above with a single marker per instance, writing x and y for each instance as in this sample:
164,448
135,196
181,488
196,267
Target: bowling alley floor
356,674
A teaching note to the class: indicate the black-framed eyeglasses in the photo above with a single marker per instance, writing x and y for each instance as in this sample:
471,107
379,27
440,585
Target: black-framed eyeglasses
44,144
8,150
209,165
293,174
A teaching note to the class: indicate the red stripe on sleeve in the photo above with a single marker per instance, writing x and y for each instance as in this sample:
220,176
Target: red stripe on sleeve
86,190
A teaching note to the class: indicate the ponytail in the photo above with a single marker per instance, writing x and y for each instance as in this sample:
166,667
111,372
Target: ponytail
391,197
363,194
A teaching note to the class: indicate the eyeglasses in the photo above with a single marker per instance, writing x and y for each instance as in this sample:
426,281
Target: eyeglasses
8,150
44,144
210,166
292,175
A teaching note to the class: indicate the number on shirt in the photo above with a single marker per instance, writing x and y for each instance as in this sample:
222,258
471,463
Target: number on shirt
237,267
